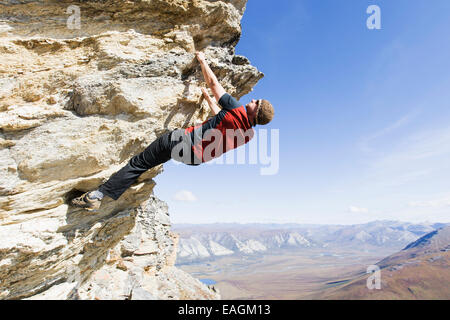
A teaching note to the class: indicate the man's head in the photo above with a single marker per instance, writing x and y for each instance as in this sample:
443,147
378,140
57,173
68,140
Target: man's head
260,112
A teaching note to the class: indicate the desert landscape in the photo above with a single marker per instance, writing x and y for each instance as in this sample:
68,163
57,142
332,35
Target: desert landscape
313,269
285,275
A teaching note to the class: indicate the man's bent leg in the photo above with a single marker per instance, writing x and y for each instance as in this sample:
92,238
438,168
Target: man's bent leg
158,152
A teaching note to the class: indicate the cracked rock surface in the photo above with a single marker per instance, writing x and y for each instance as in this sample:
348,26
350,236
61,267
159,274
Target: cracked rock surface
75,106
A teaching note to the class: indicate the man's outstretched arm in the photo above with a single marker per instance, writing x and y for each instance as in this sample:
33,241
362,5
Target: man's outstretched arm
210,77
214,107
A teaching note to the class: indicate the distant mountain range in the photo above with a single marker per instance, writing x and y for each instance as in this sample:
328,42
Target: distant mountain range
209,245
420,271
203,242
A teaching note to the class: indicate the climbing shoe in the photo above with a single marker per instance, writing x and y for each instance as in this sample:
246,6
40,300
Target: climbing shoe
86,202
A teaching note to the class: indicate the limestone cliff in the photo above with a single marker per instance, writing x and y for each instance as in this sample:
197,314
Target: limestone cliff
75,105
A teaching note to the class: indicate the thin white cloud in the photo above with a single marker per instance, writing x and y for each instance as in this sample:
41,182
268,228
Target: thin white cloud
355,209
185,196
423,145
365,143
416,158
440,202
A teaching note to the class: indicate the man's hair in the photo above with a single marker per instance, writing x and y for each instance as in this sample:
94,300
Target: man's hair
265,112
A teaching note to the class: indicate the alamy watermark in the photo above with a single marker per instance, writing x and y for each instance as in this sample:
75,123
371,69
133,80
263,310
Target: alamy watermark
74,20
374,20
215,147
374,280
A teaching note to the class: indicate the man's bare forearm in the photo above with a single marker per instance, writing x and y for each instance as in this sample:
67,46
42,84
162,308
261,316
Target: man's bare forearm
214,107
210,77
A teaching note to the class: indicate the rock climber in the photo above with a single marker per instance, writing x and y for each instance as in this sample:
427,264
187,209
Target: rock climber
231,126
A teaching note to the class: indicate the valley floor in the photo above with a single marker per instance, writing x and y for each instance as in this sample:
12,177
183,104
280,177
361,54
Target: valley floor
288,275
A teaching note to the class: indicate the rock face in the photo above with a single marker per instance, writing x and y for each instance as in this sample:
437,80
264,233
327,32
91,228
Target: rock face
75,105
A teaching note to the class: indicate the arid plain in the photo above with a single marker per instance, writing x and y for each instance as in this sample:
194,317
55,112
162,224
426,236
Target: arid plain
288,274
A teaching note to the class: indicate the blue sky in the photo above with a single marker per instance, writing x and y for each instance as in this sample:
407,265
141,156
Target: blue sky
363,117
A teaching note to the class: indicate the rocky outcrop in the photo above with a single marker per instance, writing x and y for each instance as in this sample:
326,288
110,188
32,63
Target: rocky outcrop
75,105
